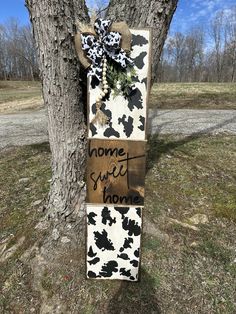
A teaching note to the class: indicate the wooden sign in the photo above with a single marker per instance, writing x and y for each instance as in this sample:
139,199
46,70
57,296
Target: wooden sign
116,163
116,172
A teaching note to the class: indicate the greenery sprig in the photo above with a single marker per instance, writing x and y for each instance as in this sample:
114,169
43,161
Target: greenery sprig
120,80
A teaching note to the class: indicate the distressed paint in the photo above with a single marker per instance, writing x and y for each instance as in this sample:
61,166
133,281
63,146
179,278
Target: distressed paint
127,117
113,242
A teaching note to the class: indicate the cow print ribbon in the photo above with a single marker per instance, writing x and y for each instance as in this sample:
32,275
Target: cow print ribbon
105,44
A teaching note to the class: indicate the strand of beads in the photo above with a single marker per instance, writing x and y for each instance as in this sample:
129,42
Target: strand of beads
105,86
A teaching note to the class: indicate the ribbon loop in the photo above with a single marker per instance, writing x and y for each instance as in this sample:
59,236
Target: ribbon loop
102,26
107,44
88,41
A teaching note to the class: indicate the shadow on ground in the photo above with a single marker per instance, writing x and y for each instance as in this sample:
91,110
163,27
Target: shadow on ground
135,297
157,146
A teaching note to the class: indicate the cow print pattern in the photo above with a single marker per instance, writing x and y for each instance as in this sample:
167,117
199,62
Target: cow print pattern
127,117
104,44
113,242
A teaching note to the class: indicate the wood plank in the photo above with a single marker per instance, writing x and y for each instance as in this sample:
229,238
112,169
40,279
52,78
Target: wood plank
128,117
116,172
110,256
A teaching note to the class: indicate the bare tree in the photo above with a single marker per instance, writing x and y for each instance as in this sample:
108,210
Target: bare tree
187,58
17,52
177,51
3,54
230,30
54,28
217,33
194,55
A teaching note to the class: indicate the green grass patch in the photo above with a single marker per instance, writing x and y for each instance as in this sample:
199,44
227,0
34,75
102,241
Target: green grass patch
212,249
193,174
18,215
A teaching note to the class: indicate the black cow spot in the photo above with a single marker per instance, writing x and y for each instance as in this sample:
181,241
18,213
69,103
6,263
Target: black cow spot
111,132
138,211
128,125
91,221
131,278
142,120
122,211
107,96
91,274
135,100
94,82
131,226
144,81
123,256
139,40
98,60
134,263
138,61
94,261
136,253
108,269
125,272
93,129
126,244
93,108
135,79
91,253
106,217
102,242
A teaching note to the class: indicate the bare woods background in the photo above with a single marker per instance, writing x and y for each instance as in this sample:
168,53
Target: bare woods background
199,55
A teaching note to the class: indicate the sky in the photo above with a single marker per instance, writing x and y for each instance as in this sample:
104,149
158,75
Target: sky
188,14
191,13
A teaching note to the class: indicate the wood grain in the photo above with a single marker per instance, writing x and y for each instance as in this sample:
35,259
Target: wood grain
116,172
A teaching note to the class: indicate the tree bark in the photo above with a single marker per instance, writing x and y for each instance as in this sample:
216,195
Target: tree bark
146,13
54,27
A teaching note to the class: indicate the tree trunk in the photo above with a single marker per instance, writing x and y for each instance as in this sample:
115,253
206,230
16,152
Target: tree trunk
54,27
146,13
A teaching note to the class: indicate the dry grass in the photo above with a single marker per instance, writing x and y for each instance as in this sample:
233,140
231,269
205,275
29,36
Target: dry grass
19,95
183,270
193,96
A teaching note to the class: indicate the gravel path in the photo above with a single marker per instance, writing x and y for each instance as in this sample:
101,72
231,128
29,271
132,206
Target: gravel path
192,122
23,128
31,127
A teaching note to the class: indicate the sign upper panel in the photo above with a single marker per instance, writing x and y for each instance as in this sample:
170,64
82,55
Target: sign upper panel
127,117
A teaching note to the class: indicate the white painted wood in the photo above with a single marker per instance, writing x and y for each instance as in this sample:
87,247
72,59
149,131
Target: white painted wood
118,105
123,224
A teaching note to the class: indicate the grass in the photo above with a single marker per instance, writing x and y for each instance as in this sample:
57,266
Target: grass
194,174
183,270
193,96
19,215
18,90
19,95
25,95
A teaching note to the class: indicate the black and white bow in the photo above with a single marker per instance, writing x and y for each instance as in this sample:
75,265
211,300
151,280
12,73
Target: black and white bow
105,44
